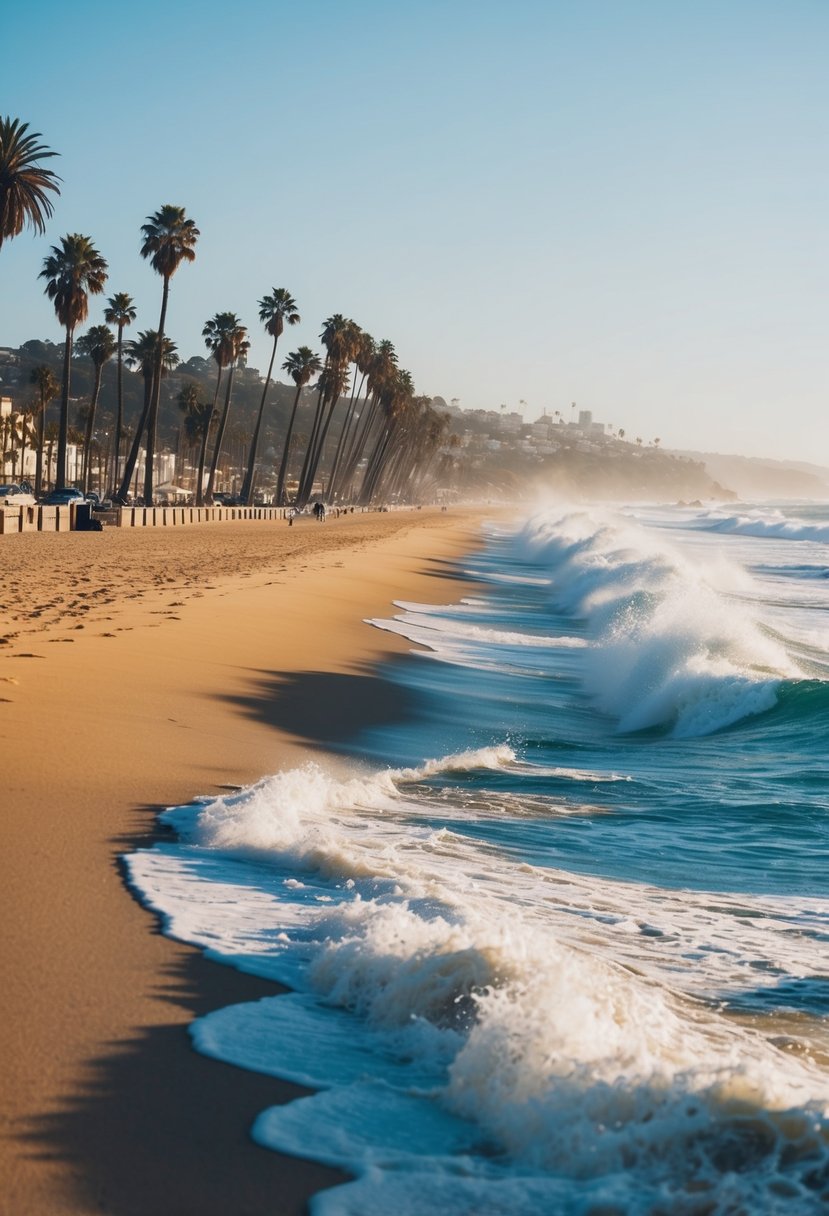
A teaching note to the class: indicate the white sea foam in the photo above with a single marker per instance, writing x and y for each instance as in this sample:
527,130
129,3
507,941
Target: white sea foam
441,634
668,647
499,756
491,576
483,999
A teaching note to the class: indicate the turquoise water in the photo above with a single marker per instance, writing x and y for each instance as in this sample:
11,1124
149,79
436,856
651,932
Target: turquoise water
559,939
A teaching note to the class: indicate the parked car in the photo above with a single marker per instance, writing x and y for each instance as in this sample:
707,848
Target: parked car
97,503
63,498
15,496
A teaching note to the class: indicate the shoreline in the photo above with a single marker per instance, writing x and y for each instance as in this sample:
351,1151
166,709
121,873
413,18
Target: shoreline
257,659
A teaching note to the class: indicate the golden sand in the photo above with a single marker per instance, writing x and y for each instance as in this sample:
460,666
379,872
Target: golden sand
140,668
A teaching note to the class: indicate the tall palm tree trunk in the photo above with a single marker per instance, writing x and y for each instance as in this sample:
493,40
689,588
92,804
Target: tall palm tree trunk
358,443
23,430
90,426
374,467
132,457
305,487
152,420
247,485
283,467
220,434
41,434
119,410
63,428
320,444
204,440
342,443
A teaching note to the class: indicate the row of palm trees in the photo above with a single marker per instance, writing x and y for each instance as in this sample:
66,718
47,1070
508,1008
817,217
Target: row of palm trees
386,439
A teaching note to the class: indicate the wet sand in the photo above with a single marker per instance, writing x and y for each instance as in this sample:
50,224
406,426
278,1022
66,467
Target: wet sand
139,669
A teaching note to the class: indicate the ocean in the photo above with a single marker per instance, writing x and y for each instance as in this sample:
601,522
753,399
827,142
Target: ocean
558,939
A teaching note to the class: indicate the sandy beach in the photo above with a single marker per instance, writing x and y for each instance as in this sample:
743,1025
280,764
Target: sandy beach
139,669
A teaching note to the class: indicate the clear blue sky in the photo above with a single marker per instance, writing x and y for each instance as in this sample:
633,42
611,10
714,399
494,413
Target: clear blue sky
622,203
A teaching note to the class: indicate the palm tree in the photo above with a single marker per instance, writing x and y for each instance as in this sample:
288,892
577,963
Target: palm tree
340,336
24,429
234,346
23,183
169,240
363,356
100,345
197,413
9,436
119,312
73,271
300,365
419,438
48,388
50,435
142,353
274,311
396,403
381,375
218,338
217,343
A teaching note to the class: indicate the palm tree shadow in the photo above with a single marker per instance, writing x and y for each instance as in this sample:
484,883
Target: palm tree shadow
325,709
156,1127
152,1126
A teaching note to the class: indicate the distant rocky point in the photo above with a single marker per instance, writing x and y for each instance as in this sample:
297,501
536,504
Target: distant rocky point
753,477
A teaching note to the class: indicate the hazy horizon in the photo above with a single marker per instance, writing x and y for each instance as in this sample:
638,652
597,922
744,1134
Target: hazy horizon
617,205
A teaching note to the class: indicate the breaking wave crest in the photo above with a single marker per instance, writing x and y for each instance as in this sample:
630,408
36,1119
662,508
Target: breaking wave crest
511,1063
669,649
764,523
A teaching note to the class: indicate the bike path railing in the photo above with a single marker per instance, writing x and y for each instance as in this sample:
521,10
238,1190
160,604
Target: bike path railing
72,518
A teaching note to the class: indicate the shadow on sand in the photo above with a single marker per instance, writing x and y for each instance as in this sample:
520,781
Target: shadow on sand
152,1127
157,1128
325,709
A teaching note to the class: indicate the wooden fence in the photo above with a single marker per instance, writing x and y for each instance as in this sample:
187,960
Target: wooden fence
65,519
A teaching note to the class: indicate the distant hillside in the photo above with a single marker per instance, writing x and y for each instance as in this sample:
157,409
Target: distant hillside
614,472
756,477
